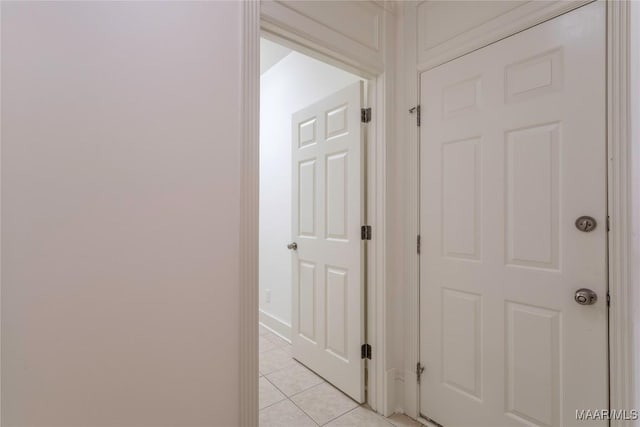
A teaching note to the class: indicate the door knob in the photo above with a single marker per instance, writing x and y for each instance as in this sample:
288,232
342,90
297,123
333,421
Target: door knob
585,296
293,246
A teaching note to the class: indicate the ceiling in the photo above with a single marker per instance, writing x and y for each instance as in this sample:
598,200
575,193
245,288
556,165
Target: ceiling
270,54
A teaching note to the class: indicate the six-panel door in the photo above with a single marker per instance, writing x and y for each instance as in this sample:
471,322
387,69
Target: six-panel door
328,292
513,150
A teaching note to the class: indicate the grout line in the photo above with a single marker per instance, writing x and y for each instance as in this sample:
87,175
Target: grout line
273,372
285,396
277,388
301,391
332,419
291,400
341,415
273,404
308,388
305,412
295,362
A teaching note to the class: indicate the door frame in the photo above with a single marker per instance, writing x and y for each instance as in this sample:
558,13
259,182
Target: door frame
255,25
621,204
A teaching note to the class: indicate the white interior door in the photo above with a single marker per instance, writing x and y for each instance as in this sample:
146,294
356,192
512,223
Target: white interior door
328,291
513,151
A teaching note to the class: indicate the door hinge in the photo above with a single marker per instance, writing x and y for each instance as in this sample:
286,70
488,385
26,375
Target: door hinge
416,110
365,232
608,223
608,299
418,244
365,351
365,115
419,371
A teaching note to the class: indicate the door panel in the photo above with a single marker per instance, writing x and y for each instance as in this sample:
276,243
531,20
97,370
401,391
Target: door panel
306,300
307,197
513,150
532,197
328,292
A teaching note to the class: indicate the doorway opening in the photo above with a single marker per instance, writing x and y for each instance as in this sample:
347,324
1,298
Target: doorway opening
312,258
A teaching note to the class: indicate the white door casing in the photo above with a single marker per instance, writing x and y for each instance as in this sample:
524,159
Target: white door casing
513,150
328,290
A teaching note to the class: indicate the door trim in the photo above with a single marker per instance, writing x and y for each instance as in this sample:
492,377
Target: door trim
622,289
380,382
624,285
249,220
526,15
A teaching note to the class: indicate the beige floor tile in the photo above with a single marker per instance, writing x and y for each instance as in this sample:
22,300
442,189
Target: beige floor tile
268,394
275,339
294,379
284,414
323,403
265,345
401,420
360,417
288,349
274,360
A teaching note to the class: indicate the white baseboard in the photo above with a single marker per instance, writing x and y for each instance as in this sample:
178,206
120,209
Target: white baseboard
399,384
275,325
391,392
410,404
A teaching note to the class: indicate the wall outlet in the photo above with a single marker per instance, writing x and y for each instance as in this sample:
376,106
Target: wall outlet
267,295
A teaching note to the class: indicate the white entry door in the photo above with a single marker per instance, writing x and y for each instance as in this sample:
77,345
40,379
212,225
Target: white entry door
328,291
513,151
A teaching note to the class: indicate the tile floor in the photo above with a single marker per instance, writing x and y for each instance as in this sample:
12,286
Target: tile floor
293,396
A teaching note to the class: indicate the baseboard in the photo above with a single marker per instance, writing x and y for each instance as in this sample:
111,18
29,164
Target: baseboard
410,405
398,382
391,392
275,325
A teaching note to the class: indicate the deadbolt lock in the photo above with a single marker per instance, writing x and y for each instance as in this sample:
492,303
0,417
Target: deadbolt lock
586,223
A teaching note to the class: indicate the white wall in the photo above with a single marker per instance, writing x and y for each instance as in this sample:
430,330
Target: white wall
120,213
290,85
